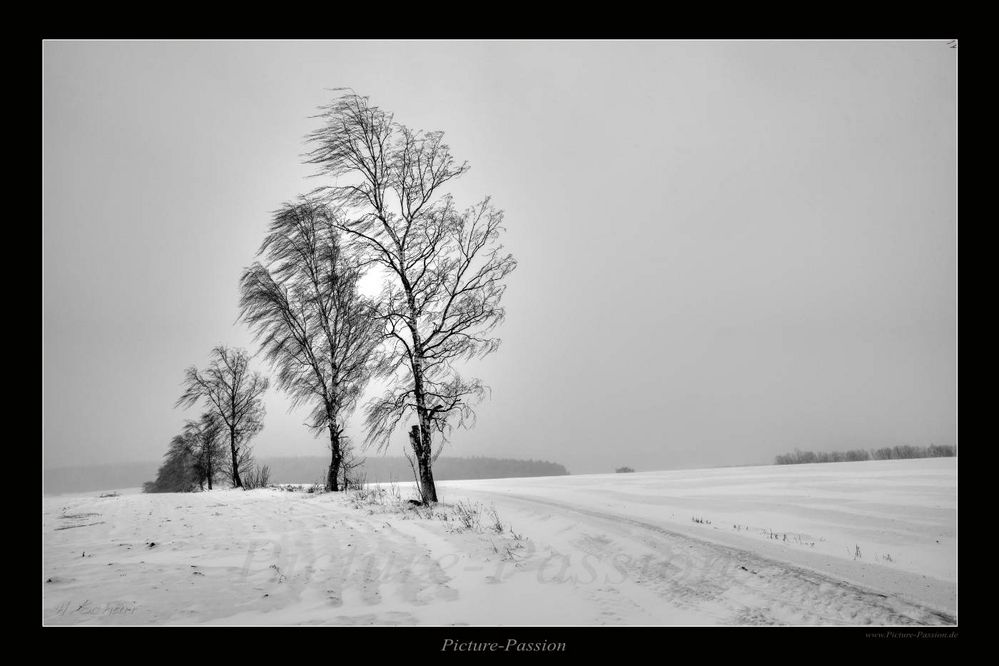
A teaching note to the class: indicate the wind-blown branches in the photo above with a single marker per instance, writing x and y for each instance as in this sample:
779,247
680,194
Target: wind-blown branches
450,404
314,328
232,393
446,268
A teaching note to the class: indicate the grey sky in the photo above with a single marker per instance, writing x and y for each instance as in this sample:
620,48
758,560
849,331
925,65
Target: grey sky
727,249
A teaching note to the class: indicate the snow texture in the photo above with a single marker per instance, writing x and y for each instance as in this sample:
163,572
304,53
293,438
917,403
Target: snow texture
844,543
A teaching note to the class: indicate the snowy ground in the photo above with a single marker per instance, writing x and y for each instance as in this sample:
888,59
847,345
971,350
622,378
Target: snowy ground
845,543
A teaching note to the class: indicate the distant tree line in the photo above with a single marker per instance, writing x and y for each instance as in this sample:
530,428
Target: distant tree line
477,467
84,478
885,453
381,469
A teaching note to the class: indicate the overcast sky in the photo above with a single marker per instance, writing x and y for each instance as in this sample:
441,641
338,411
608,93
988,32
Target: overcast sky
726,249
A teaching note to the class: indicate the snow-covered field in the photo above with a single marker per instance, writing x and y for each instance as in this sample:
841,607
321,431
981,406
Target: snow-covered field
843,543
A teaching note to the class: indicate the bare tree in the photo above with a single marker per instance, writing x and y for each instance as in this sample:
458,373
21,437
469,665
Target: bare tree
445,266
316,330
233,393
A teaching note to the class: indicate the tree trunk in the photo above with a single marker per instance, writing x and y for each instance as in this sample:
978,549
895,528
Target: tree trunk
333,476
211,472
236,481
422,444
420,441
420,437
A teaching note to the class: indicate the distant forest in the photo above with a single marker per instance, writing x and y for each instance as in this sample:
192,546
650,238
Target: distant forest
300,470
885,453
85,478
377,469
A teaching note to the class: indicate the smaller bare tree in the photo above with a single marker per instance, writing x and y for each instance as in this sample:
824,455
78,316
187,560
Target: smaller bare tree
207,447
234,394
176,474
